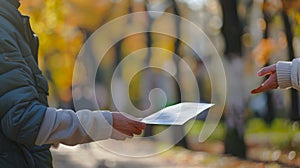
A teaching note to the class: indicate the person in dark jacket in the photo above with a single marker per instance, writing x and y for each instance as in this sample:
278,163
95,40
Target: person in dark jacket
28,125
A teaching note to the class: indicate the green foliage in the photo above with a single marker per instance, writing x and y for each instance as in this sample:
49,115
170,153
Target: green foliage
197,126
195,129
279,125
280,134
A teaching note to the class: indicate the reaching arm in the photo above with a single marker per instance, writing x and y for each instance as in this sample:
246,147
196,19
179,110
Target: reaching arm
283,74
70,128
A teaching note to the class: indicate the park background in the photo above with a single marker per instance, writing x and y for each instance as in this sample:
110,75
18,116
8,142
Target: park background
258,130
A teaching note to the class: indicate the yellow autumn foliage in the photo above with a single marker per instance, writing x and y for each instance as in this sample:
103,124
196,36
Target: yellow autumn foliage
59,25
263,52
59,42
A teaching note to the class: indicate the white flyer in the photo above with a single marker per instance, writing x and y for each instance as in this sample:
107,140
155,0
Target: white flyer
177,114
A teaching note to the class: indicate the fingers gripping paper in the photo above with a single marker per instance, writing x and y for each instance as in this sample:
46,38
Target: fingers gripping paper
177,114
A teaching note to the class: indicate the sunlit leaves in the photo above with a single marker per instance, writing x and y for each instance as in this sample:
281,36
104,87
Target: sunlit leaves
59,42
263,52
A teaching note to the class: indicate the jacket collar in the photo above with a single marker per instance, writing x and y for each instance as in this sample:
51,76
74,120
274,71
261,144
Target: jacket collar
15,3
9,10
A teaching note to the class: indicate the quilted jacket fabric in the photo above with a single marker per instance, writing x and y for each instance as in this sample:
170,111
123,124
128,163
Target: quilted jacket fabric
23,92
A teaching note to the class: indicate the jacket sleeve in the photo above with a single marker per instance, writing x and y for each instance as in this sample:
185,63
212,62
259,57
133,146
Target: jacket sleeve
21,113
288,74
70,128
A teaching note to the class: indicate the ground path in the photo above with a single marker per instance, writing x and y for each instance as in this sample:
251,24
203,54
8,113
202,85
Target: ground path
95,156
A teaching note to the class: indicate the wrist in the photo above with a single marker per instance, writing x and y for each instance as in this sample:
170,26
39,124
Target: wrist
283,73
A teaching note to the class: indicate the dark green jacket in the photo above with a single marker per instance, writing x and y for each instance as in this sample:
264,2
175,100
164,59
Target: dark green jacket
23,92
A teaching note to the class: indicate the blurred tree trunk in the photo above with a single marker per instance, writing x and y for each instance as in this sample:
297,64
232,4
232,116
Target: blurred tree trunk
91,61
147,76
234,115
178,131
269,115
294,115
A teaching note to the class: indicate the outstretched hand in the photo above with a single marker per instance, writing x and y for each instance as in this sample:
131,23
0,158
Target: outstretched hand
270,83
125,126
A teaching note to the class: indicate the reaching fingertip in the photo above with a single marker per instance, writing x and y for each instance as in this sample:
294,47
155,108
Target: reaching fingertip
257,90
260,73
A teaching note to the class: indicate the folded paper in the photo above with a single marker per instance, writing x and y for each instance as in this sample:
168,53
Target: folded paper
177,114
